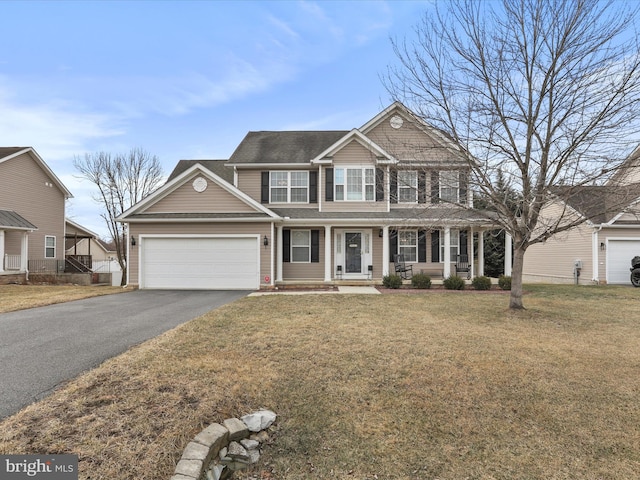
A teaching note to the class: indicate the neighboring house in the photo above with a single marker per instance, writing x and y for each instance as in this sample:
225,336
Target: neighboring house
32,213
90,250
599,250
310,207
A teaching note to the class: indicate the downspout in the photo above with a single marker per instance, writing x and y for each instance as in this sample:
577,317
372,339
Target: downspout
595,255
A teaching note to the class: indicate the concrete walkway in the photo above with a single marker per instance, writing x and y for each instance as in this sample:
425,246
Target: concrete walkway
364,290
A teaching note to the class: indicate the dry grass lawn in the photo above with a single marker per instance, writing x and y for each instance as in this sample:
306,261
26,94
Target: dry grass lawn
18,297
406,386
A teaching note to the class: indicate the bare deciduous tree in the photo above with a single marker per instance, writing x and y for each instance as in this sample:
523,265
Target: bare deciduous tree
122,180
545,92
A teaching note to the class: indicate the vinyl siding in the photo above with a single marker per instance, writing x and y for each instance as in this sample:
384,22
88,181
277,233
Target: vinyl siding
214,199
250,181
24,189
168,229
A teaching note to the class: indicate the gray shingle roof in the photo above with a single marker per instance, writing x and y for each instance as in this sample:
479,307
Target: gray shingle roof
6,151
215,166
284,147
599,204
11,220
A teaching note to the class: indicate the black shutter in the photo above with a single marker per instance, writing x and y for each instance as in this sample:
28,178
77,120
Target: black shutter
313,187
328,188
422,187
422,246
393,187
464,182
435,246
286,245
264,197
463,242
315,246
379,185
435,187
393,244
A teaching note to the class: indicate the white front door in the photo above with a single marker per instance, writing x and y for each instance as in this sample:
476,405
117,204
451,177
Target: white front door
353,253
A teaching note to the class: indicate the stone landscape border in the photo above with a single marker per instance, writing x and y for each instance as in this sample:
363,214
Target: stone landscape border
220,450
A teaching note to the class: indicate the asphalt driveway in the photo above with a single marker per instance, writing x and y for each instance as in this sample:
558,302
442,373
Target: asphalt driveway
42,347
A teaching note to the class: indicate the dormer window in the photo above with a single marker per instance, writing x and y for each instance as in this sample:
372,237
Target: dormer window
355,184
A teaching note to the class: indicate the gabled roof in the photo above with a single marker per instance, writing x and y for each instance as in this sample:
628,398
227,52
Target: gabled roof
77,226
8,153
358,137
283,147
10,220
136,210
632,161
216,166
599,204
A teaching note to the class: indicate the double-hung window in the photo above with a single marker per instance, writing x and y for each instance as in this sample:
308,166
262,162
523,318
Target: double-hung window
300,246
454,244
355,184
449,186
49,247
289,187
407,186
408,245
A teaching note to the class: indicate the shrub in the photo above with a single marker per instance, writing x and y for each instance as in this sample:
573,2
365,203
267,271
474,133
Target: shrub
504,282
481,283
392,281
453,282
421,280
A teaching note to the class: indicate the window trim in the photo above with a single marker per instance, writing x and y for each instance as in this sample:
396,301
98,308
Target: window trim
48,247
289,187
363,184
413,188
415,246
292,246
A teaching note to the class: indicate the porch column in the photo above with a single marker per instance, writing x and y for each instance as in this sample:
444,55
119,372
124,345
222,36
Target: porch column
24,249
327,254
508,245
447,252
472,253
279,253
385,251
481,253
1,251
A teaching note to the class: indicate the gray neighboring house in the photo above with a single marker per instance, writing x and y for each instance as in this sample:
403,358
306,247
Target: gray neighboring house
32,214
600,250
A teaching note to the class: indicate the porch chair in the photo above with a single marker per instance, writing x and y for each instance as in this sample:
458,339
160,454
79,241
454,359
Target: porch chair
403,270
462,265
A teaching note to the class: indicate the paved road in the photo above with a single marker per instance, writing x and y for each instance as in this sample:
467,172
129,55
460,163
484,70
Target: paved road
42,347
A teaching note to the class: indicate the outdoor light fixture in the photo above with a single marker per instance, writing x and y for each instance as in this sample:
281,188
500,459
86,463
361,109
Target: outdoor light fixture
265,241
381,233
133,241
603,247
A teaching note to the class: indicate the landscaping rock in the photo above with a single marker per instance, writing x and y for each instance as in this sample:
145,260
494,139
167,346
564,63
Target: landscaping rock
237,429
259,420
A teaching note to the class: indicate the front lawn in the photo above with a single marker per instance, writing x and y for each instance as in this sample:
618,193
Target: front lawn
403,386
19,297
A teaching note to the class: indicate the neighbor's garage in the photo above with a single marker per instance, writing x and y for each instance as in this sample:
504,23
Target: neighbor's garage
619,255
200,263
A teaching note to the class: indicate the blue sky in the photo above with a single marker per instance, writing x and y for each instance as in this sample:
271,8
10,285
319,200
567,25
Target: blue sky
188,79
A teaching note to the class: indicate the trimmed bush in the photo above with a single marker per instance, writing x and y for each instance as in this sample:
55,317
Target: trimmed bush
481,283
421,280
504,282
392,281
453,282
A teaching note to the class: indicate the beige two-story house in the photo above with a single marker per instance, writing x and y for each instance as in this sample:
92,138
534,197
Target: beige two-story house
32,213
298,207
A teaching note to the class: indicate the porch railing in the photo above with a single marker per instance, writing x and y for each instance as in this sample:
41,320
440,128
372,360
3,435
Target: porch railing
12,262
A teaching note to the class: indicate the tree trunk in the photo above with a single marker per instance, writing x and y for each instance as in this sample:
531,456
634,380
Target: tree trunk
515,301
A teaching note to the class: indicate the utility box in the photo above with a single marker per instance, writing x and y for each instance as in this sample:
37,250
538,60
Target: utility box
577,263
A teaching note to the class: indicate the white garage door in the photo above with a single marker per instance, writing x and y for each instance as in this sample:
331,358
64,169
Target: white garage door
202,263
620,253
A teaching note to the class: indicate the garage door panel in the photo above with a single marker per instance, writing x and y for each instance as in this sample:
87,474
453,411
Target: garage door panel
200,263
619,255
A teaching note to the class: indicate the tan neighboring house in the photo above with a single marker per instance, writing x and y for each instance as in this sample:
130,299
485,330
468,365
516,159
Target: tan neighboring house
599,250
310,207
32,214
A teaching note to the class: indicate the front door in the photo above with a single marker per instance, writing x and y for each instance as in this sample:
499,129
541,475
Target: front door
353,252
